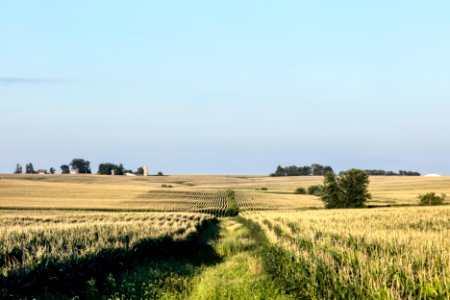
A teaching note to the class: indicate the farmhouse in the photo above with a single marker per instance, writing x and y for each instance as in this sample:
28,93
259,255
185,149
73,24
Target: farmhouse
41,171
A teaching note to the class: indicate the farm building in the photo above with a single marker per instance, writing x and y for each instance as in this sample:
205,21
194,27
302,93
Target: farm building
145,170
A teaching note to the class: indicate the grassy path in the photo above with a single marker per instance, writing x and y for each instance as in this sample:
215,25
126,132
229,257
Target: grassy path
241,275
234,271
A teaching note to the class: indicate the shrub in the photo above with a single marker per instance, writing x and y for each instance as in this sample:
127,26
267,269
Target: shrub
166,185
431,199
300,190
315,190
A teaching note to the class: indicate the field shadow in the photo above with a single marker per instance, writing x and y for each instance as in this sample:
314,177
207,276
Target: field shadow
89,276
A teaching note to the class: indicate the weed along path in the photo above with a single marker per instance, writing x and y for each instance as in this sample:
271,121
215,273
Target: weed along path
241,274
230,269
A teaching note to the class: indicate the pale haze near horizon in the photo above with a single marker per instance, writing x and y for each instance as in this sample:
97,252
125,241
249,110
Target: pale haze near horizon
226,88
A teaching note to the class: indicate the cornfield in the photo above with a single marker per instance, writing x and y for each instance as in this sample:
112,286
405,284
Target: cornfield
395,253
58,232
211,202
29,238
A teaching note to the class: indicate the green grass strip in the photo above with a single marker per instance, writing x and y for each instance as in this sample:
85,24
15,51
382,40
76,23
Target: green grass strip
232,206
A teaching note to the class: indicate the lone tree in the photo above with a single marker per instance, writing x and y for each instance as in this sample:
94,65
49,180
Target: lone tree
348,190
81,165
52,170
18,169
140,171
29,169
65,169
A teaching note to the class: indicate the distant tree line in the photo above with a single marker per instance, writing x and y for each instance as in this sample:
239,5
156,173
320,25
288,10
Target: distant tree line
319,170
408,173
313,170
81,166
29,169
391,173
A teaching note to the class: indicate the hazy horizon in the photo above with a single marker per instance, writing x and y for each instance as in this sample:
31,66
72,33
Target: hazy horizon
226,88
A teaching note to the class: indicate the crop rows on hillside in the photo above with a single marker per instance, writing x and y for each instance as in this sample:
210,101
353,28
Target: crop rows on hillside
211,202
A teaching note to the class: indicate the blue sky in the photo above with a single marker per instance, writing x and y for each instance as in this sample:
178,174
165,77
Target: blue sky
235,87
